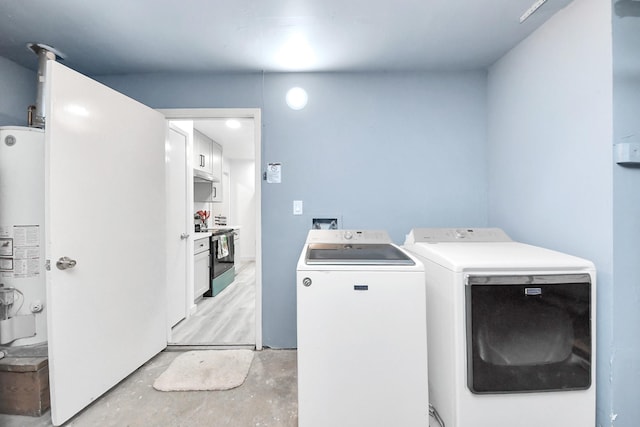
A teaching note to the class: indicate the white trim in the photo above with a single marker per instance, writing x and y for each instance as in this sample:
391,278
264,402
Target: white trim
256,115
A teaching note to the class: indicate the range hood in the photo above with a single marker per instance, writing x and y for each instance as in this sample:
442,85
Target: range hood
199,176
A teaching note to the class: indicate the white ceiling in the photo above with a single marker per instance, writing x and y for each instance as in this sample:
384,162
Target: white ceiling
130,36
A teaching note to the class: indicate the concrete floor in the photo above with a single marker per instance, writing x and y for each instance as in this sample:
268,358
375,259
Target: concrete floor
268,398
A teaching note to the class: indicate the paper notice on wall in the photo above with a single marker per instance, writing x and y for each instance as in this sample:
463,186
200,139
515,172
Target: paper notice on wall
20,251
274,173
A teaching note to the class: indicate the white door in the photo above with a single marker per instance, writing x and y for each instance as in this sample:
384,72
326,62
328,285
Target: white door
177,224
104,208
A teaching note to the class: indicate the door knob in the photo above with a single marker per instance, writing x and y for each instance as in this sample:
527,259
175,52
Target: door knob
65,262
184,236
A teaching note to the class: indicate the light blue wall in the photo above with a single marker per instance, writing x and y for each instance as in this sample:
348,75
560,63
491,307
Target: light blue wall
626,298
190,91
381,151
626,251
17,92
390,151
550,158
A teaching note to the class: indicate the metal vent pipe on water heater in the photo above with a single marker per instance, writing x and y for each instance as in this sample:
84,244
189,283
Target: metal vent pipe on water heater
45,53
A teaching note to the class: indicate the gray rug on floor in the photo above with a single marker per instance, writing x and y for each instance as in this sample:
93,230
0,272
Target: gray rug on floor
206,370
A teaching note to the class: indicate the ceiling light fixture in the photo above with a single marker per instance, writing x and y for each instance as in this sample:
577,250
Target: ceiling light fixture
296,54
297,98
233,123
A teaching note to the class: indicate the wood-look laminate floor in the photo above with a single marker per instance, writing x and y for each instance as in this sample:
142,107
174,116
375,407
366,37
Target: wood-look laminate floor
226,319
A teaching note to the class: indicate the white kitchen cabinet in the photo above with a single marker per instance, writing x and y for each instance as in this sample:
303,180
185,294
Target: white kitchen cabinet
207,157
216,161
202,156
236,247
207,191
201,267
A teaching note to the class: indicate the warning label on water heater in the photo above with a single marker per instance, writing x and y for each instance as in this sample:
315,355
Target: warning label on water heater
6,247
20,251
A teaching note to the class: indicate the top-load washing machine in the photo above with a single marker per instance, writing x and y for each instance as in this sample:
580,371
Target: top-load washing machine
511,330
362,338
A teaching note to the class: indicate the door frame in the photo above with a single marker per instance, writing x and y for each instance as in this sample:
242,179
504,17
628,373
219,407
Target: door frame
256,115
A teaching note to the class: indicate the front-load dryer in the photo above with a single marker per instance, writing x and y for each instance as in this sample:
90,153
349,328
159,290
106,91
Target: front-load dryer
511,330
362,335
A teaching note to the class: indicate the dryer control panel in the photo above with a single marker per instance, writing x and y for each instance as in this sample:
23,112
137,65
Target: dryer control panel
442,235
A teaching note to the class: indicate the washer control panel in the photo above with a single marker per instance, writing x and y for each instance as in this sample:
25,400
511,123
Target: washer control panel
348,236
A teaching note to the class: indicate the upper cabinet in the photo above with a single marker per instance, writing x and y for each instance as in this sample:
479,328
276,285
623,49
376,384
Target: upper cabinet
216,161
207,158
207,192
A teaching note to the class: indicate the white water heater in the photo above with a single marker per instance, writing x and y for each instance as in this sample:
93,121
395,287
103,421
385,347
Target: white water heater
22,238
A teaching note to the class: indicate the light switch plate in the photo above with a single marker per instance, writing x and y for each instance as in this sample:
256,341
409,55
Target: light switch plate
297,207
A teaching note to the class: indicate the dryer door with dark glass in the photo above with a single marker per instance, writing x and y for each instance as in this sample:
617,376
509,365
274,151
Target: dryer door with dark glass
528,333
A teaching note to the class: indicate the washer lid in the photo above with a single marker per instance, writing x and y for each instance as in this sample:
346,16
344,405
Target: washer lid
356,254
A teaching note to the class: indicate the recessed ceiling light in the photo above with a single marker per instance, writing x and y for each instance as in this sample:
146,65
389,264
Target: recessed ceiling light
297,98
233,123
296,54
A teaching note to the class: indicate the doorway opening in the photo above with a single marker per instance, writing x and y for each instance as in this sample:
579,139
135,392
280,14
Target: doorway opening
232,317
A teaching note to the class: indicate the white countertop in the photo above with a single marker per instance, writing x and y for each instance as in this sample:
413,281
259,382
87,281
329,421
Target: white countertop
218,227
203,234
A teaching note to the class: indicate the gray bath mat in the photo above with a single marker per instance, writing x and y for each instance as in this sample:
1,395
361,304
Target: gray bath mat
206,370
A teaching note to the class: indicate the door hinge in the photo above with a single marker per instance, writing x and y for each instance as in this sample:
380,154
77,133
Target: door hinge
47,265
